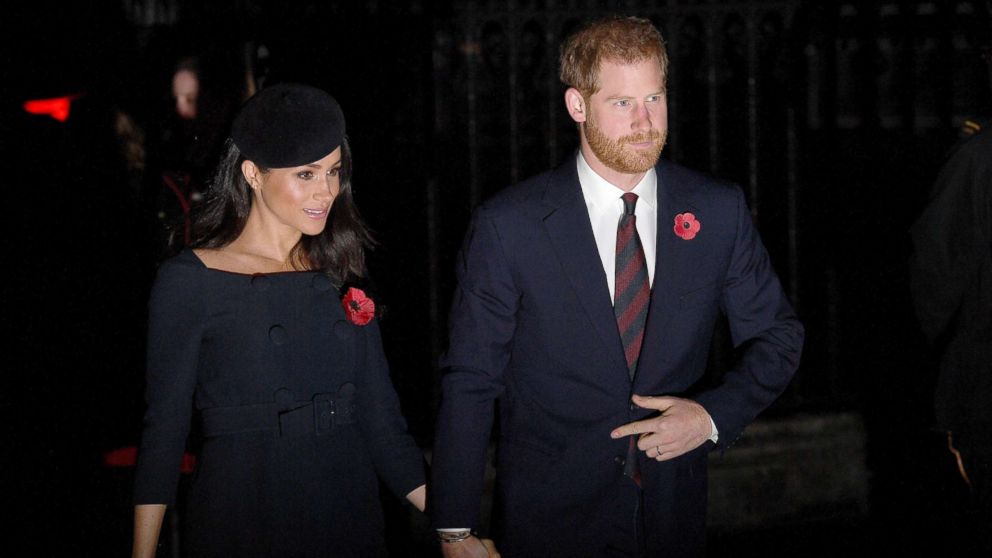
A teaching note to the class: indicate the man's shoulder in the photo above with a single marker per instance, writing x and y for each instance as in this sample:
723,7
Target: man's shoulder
693,184
525,195
967,164
978,140
974,137
534,193
972,127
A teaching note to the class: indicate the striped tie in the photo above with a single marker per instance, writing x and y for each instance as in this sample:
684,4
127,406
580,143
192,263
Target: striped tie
632,291
630,305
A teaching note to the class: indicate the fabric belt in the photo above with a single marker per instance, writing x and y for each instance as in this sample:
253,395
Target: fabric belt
287,418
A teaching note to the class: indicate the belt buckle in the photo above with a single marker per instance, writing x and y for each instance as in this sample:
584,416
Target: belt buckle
323,413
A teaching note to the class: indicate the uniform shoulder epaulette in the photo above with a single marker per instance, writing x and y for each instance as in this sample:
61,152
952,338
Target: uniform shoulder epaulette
970,127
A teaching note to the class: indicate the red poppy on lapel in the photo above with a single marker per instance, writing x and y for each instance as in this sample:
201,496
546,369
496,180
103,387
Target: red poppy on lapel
359,308
686,226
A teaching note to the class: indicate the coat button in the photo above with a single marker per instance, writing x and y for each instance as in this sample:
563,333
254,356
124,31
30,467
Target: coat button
277,334
321,282
347,389
283,398
620,461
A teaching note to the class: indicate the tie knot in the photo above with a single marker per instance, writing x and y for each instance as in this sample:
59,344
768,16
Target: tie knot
629,201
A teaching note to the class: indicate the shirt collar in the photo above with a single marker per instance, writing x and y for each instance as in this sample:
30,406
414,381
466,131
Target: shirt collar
599,193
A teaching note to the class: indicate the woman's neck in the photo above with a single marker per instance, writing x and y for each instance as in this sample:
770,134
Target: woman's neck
267,241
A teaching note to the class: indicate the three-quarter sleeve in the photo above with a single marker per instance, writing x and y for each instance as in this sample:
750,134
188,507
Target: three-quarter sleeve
398,460
175,328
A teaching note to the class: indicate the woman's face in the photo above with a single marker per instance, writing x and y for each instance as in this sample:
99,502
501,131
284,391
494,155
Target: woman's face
297,198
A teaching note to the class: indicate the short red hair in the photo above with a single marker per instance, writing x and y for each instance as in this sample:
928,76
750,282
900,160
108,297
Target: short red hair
624,40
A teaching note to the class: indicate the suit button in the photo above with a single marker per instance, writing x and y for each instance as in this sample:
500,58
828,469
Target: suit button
633,407
619,460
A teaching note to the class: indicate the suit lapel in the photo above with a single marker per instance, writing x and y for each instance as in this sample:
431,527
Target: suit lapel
568,227
673,259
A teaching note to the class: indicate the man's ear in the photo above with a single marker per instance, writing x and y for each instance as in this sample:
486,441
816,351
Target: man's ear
575,104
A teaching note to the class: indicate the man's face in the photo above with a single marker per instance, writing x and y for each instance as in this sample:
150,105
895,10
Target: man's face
627,119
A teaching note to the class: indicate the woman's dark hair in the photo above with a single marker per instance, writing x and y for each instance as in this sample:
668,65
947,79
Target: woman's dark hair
338,250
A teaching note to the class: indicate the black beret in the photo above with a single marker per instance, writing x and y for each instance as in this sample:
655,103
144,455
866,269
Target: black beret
288,125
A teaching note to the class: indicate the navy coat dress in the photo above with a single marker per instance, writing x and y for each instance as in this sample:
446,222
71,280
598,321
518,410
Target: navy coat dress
299,417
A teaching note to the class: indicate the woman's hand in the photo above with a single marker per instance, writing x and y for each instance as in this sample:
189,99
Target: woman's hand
418,497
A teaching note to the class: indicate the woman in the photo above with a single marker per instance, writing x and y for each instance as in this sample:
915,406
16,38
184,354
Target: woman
248,327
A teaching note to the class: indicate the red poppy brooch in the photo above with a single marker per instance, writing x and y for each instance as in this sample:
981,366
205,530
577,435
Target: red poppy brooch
686,226
359,308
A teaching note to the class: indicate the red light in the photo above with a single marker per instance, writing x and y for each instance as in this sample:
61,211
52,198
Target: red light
57,108
121,457
188,463
128,457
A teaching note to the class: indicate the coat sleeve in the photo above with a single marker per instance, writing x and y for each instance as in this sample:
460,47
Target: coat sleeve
397,458
175,329
765,328
481,324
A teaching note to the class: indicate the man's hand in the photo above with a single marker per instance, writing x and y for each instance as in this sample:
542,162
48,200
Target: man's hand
682,426
472,547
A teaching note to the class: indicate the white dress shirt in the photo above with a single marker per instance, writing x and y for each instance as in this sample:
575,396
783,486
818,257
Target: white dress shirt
605,210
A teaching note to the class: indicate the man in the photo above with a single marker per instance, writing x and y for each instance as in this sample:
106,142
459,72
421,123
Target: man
586,303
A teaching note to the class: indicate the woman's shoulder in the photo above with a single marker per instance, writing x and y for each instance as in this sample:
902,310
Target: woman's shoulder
185,260
206,258
179,270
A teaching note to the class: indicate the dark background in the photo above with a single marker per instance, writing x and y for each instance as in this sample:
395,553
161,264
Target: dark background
834,117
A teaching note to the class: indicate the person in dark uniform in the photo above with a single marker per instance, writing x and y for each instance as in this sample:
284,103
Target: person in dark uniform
951,285
184,146
252,330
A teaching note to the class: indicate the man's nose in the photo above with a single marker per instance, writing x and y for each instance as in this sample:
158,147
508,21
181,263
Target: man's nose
642,118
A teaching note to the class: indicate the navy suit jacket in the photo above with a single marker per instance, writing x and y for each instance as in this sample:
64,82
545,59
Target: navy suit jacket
532,326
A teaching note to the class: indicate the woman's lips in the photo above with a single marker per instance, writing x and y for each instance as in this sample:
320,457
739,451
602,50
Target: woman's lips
315,213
